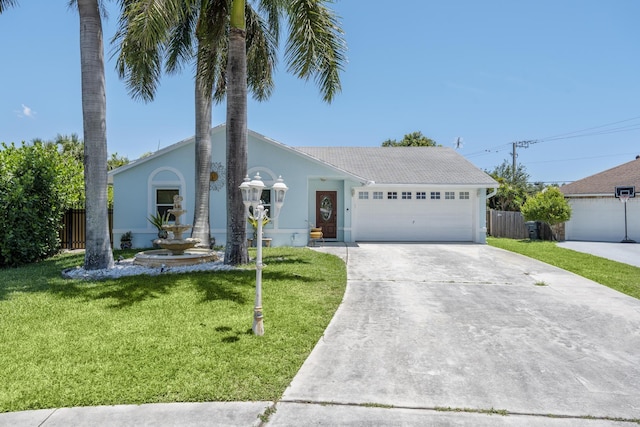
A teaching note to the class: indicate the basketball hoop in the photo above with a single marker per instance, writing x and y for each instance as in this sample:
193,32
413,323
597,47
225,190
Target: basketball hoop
624,194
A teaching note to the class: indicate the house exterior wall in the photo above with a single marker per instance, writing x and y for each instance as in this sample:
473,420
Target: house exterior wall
303,177
134,198
601,219
135,185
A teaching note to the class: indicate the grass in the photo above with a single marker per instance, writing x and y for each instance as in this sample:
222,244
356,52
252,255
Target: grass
624,278
168,338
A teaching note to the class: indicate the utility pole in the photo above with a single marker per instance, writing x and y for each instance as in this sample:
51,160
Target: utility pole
518,144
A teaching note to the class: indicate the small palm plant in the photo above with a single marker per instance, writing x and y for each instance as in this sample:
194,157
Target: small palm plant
254,223
158,220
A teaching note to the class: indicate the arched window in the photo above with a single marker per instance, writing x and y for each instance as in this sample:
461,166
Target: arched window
163,184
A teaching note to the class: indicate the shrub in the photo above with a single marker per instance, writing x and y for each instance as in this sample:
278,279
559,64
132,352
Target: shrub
36,186
547,206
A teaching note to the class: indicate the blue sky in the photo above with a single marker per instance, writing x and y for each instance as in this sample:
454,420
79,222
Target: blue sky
491,72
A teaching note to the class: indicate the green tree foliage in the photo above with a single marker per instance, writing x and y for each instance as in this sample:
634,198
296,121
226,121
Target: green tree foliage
115,161
513,190
72,148
548,206
37,184
414,139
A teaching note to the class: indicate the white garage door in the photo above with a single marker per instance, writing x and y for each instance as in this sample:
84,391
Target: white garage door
602,219
413,216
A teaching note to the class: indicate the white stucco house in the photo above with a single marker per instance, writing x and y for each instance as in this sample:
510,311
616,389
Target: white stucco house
597,215
353,193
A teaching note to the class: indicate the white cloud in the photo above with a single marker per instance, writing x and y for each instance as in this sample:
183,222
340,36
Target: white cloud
26,112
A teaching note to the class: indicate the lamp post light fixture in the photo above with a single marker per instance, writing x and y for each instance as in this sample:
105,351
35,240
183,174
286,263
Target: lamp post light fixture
251,195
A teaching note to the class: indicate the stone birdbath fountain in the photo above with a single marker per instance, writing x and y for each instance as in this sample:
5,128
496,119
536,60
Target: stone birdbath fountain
176,251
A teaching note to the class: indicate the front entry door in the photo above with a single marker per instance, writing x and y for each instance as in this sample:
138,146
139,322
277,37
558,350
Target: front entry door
327,213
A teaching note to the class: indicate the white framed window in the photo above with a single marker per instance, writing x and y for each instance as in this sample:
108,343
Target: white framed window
377,195
435,195
406,195
463,195
265,200
164,200
421,195
449,195
392,195
363,195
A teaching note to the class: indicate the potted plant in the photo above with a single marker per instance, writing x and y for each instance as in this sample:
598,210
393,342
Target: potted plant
158,220
125,240
315,233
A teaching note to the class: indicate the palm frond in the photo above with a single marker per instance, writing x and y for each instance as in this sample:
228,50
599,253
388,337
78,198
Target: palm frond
261,42
5,4
316,47
141,40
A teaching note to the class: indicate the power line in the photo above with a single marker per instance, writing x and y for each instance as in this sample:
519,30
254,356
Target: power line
582,158
589,128
567,135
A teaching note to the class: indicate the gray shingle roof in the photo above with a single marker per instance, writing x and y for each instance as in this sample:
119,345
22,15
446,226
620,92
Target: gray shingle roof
605,182
403,165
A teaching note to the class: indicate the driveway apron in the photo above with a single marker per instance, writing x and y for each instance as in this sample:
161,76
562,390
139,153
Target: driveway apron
472,328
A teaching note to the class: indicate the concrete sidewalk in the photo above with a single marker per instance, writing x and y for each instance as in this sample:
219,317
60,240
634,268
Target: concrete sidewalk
443,335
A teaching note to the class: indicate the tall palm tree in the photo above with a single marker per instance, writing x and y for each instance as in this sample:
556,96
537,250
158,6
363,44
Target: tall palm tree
94,108
178,32
236,247
98,245
315,49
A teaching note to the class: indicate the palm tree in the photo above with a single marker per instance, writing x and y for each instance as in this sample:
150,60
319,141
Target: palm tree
148,34
98,253
315,48
98,245
236,247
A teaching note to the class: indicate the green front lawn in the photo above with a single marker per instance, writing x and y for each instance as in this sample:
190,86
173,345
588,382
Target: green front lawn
168,338
621,277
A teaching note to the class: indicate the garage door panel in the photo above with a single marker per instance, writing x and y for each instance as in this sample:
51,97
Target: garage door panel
413,220
601,219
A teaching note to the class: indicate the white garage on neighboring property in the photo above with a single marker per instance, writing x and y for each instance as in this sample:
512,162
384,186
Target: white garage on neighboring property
597,215
353,193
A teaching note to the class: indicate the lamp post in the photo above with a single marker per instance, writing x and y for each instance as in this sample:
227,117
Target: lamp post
251,195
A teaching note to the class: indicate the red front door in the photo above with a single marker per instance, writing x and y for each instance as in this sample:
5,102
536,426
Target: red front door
327,213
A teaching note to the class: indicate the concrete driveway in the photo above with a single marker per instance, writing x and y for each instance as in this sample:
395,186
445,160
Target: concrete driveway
627,253
457,334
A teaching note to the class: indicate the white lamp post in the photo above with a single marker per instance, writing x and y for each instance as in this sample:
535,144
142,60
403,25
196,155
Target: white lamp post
251,194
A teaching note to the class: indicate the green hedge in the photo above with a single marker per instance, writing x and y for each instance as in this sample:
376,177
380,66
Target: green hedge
36,186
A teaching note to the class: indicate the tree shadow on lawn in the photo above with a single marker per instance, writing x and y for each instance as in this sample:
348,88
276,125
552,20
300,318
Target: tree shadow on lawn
45,276
128,291
125,291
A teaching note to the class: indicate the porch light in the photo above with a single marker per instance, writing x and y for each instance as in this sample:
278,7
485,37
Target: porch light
256,185
246,192
281,190
251,195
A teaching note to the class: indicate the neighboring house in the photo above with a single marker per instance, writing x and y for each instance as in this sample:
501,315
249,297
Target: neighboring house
353,193
596,214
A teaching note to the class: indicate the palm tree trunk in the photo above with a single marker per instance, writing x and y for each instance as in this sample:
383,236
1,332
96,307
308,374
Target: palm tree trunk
236,248
94,105
201,228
